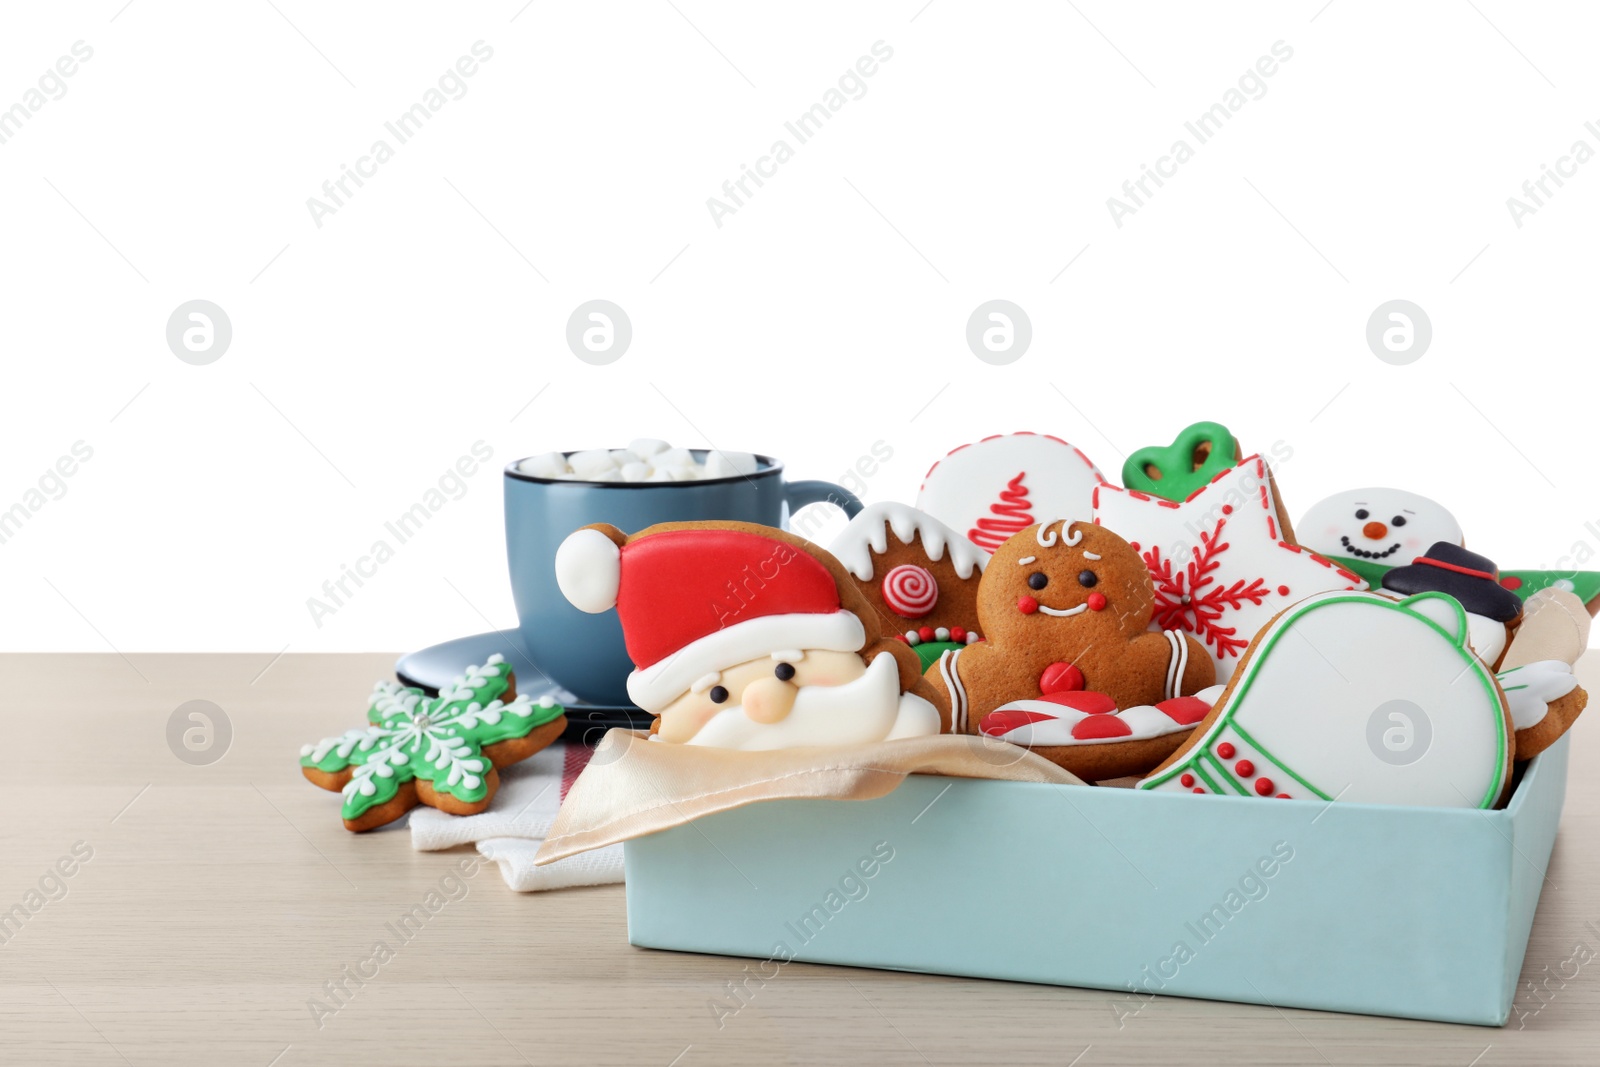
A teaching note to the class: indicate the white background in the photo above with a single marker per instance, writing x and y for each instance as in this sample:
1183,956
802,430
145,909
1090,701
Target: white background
826,314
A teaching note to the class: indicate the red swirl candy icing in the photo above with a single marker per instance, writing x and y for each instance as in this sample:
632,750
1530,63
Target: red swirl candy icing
910,591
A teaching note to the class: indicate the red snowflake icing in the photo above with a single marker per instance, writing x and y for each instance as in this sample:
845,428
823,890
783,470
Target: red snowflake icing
1190,599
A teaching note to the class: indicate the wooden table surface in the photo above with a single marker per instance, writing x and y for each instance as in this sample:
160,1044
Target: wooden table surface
218,900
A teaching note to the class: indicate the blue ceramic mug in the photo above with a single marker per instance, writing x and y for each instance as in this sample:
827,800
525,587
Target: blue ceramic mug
584,653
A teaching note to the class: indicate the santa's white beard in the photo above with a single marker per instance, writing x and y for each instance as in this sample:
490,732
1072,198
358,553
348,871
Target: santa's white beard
869,709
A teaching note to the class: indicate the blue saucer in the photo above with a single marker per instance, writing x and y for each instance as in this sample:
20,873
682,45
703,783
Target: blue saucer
430,668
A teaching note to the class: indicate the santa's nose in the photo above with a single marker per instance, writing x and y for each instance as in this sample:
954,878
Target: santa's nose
768,700
1375,530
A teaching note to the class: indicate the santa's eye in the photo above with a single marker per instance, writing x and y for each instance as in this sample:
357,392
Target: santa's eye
1398,520
718,694
783,671
1036,580
1087,578
1362,513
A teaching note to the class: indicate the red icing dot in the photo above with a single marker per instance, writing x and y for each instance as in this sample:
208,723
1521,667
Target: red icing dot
1511,581
1244,768
1283,796
958,634
1096,726
1060,678
1187,780
1264,786
902,639
1097,602
1197,789
1225,750
1283,590
1027,605
1134,545
925,632
1227,509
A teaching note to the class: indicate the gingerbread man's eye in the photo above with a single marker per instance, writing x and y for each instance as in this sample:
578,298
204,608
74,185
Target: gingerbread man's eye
1038,580
783,671
1398,520
718,694
1362,513
1087,578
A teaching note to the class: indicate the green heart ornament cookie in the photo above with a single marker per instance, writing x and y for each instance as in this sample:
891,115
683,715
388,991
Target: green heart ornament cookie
1177,471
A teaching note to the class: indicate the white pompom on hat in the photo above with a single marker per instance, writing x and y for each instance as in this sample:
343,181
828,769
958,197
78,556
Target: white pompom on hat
589,570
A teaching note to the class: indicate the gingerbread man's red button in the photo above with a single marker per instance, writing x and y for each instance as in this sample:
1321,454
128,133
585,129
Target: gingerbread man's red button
1061,678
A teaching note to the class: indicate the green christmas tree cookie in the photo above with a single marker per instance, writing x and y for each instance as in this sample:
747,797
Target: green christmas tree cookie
1179,470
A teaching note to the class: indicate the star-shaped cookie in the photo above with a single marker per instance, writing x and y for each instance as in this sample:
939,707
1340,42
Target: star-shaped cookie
441,751
1223,561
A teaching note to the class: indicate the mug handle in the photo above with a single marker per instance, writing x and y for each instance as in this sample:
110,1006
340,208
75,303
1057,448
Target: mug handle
799,494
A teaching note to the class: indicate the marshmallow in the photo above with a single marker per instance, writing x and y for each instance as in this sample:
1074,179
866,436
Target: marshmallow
728,464
591,463
549,465
636,472
674,459
645,447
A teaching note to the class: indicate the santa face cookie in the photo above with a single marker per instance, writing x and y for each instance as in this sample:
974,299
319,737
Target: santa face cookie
1359,697
747,637
1493,611
921,575
992,488
1179,470
1377,528
1064,608
1222,562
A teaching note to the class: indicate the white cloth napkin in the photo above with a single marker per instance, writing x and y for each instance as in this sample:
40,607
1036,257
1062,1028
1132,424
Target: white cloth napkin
517,822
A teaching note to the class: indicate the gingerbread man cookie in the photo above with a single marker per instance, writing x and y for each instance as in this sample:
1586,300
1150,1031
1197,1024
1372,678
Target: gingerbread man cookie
440,751
1064,609
921,575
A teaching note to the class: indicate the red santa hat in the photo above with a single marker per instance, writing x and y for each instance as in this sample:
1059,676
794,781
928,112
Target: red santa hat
695,602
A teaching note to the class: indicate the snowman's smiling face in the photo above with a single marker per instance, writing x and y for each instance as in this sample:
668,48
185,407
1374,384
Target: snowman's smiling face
1388,526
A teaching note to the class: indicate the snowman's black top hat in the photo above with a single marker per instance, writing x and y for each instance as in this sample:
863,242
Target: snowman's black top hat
1470,578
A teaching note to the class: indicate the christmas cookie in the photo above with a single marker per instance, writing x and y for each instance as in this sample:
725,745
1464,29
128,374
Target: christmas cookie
1222,561
1358,697
1086,733
1493,611
1064,609
991,489
1370,530
1536,673
440,751
1555,625
747,637
1179,470
921,575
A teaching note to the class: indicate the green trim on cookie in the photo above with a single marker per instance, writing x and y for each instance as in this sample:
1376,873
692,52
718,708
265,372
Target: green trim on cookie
930,651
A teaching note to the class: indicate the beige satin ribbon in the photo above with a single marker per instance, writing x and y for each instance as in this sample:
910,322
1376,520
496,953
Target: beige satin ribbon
634,786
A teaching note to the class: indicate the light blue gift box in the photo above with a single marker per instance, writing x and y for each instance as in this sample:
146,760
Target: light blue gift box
1419,913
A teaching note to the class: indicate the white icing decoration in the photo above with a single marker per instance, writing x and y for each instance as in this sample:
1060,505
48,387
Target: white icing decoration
1145,721
1177,663
1025,560
956,688
706,681
1247,553
868,709
1330,526
1064,613
1070,537
1311,700
1487,636
1090,555
1043,535
1531,689
868,535
963,487
790,655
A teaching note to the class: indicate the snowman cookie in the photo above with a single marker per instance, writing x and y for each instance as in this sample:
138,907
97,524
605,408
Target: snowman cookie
992,488
1358,697
919,574
1493,611
1064,609
1370,530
